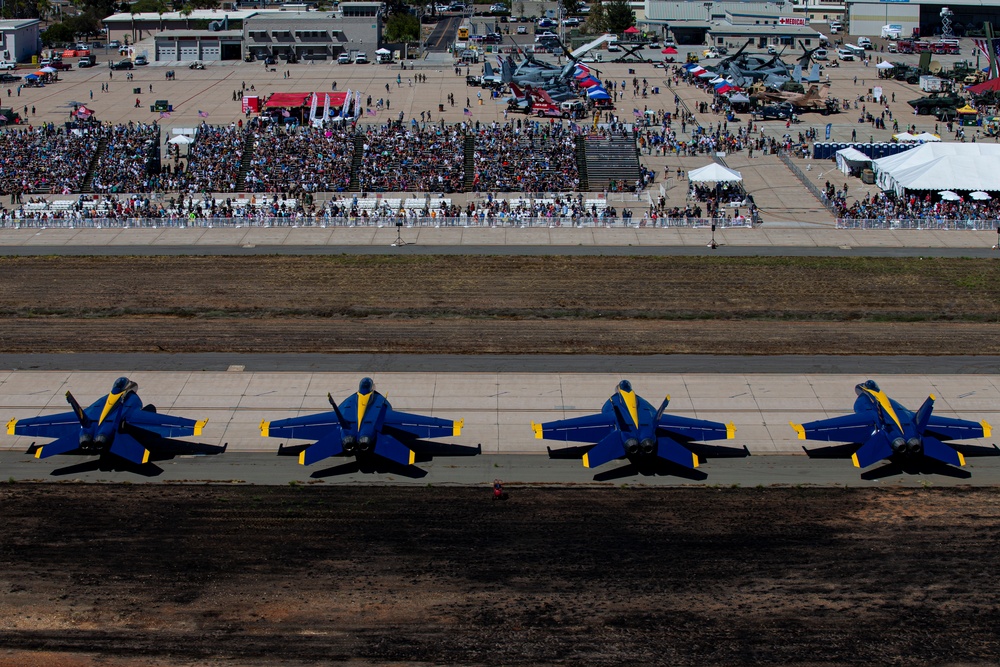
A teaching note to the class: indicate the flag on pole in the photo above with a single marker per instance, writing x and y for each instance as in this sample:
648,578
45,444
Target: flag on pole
636,112
371,112
467,112
203,114
164,114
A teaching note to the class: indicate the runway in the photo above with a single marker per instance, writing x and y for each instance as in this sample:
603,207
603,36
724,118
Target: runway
497,409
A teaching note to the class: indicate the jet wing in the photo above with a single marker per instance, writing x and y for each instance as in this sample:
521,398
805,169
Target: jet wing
590,428
307,427
849,428
695,429
164,425
420,426
946,428
51,426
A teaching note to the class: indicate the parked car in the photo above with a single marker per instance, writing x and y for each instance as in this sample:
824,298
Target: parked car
121,64
783,111
114,44
61,66
522,30
361,58
344,59
8,78
7,65
141,60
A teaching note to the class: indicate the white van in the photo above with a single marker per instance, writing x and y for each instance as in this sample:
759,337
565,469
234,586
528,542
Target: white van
844,54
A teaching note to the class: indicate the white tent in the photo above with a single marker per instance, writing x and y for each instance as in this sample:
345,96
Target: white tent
927,136
885,65
851,158
714,173
904,136
941,166
181,139
383,52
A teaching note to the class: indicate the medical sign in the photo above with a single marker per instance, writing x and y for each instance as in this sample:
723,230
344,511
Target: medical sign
785,20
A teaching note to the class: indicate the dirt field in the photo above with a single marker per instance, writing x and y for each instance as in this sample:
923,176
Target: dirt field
161,575
479,305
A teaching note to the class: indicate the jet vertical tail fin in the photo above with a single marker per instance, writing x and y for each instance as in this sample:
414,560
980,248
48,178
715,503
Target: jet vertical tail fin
487,68
336,411
77,410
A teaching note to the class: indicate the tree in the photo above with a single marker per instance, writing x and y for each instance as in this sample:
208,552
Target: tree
402,28
571,7
57,33
619,16
596,22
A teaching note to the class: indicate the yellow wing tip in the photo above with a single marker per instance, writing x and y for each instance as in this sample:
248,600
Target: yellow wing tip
933,397
199,426
413,457
10,426
302,457
798,429
961,459
38,453
265,427
457,428
987,429
145,456
730,431
537,428
586,460
854,458
694,460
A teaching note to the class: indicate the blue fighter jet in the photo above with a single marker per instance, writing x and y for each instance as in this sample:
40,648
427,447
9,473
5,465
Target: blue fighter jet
117,424
881,429
364,424
629,426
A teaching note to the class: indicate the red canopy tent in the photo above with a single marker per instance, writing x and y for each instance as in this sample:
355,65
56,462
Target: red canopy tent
985,87
297,100
632,31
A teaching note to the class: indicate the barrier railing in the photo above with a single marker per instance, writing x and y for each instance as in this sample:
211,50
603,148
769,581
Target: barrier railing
923,224
408,223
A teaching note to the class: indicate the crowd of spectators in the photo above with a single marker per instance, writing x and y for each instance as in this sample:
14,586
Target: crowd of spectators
401,158
122,167
536,157
300,159
913,207
45,159
213,159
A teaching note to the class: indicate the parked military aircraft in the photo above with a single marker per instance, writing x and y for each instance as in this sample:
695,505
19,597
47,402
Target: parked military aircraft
363,425
881,428
814,99
628,426
116,424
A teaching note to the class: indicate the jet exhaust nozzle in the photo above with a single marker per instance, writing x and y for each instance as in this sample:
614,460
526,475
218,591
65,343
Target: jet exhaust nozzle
631,446
349,443
898,446
914,446
648,446
365,443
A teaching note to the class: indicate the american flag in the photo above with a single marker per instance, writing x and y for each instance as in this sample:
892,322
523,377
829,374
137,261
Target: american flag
467,112
203,114
371,112
636,112
164,114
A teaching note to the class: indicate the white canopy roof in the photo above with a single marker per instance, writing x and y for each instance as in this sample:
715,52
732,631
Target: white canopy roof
714,173
941,166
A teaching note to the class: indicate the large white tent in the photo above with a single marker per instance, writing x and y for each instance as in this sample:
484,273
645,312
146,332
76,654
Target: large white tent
716,173
941,166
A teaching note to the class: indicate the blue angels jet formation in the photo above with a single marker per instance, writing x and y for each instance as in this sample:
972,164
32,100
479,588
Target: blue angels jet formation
628,426
884,429
363,425
115,424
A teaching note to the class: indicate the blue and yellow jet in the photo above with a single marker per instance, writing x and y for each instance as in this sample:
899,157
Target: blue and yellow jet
363,425
629,426
884,429
115,424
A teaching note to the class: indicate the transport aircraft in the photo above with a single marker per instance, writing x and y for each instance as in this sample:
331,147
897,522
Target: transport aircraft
116,424
881,428
628,426
363,425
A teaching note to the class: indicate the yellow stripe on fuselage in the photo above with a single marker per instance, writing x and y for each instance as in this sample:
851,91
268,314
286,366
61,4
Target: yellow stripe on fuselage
883,400
630,403
363,400
108,405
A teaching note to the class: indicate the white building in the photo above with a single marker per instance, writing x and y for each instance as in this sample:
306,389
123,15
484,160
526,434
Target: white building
19,39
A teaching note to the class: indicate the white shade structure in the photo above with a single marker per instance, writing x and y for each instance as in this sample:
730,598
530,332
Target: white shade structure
979,195
181,139
948,195
714,173
885,65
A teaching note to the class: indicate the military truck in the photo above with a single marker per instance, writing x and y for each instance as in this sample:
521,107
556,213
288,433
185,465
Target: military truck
938,104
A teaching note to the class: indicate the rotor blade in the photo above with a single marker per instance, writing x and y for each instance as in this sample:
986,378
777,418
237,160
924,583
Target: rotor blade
924,415
129,449
876,449
608,449
77,410
61,446
935,449
389,448
669,449
329,445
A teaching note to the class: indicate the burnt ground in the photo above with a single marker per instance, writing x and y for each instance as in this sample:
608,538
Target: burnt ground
206,575
500,305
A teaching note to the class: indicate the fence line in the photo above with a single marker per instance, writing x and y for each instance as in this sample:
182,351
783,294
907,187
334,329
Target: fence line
926,224
408,223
